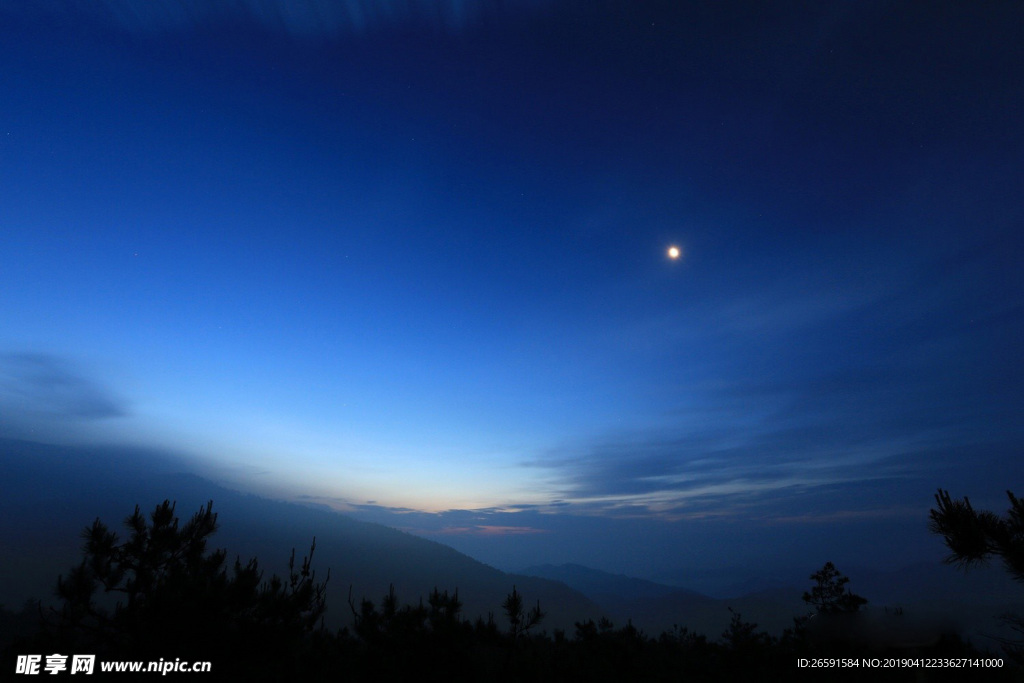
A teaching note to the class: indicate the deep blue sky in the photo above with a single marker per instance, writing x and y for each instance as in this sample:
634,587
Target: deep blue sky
409,260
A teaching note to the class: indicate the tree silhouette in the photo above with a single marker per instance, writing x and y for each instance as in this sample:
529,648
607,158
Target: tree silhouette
520,621
160,591
743,636
830,595
975,536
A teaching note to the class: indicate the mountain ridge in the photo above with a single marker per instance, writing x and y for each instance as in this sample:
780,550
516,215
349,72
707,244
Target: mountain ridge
932,598
56,491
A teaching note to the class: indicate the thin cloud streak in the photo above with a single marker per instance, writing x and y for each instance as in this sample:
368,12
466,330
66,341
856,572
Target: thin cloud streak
52,387
808,407
489,530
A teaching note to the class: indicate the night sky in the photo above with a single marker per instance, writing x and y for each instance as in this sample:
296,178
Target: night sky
409,259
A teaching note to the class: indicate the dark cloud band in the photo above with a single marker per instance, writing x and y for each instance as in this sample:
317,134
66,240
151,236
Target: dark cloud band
49,387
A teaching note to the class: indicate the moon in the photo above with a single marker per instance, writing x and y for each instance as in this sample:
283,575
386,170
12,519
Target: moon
674,252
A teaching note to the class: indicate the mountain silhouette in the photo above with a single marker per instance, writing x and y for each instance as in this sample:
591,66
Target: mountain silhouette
931,598
52,492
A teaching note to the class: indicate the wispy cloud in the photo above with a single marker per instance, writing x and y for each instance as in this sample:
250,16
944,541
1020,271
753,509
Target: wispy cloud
50,387
800,387
842,516
489,530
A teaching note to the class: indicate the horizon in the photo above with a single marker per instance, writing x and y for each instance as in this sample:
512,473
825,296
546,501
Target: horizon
412,264
128,476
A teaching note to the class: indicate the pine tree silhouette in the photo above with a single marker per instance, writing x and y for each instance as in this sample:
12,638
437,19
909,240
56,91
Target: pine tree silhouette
976,536
830,595
520,621
161,592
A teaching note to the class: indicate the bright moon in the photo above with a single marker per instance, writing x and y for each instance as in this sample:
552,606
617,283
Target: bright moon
673,252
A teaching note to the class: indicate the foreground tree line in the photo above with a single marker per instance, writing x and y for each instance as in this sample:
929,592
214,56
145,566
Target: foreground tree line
160,593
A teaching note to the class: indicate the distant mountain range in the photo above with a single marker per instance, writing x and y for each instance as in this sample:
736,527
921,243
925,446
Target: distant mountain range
598,584
48,494
918,601
656,607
